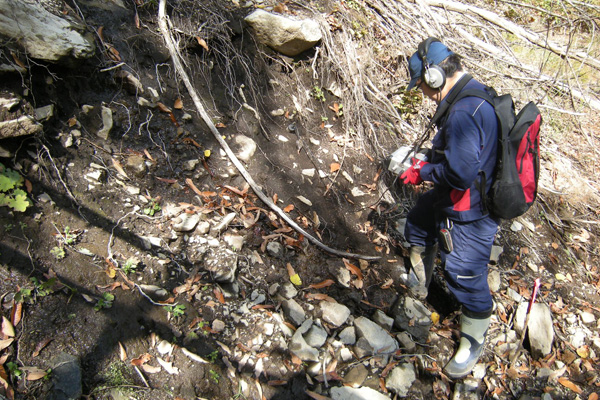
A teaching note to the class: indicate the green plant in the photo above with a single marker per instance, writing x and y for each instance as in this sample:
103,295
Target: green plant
130,265
177,310
11,194
153,208
68,236
106,301
14,370
40,289
212,357
318,94
58,252
8,227
214,375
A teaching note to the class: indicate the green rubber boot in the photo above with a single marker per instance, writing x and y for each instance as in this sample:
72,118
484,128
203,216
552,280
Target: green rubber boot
472,342
421,261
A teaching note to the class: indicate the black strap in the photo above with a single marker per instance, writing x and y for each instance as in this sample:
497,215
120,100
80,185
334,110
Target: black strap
442,109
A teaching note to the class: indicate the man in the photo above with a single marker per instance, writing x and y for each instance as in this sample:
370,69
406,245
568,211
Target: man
453,213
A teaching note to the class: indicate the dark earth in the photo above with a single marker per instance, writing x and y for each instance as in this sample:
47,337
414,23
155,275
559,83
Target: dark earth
71,247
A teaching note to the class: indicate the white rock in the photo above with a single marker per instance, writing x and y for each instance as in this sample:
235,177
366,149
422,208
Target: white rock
310,172
247,147
363,393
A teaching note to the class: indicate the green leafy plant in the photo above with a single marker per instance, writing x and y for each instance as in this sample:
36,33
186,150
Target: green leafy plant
11,192
68,236
214,375
40,289
8,227
177,310
58,252
318,94
14,370
106,301
212,357
153,208
130,265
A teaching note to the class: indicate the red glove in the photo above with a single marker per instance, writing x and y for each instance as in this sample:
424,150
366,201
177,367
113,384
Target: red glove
412,175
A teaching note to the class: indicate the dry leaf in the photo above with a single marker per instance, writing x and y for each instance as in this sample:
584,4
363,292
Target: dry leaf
8,330
570,385
289,208
320,296
34,373
136,20
334,167
151,369
193,356
72,122
5,343
141,360
202,43
593,396
40,346
122,352
315,395
219,296
321,285
189,182
162,107
387,284
353,269
18,61
178,104
168,366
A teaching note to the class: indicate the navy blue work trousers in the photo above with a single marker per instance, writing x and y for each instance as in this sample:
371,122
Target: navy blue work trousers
466,266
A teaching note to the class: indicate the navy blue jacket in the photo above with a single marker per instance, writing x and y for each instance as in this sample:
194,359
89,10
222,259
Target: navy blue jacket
465,145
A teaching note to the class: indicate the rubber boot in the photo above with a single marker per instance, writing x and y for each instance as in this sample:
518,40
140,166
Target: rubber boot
421,261
472,342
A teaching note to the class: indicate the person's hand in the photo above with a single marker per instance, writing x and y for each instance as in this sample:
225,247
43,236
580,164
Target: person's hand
412,175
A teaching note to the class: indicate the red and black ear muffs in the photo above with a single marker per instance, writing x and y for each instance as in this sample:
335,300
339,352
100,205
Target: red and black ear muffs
432,74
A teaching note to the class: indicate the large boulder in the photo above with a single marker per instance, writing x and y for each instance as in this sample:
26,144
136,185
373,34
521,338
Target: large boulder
288,36
42,34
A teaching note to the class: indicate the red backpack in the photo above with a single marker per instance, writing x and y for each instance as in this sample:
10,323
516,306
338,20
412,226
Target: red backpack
515,181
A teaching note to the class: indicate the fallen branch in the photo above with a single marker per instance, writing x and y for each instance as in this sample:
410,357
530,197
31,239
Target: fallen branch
516,30
162,22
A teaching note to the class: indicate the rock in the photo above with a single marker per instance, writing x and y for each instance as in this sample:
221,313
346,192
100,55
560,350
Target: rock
275,249
222,264
587,317
540,328
246,147
496,252
316,336
4,153
293,311
24,125
221,226
335,314
298,345
310,172
466,390
44,113
137,165
66,378
516,226
235,241
348,335
107,123
186,222
288,36
288,290
356,376
43,34
406,342
401,379
383,320
412,316
378,338
346,354
363,393
129,82
218,325
190,165
363,349
494,280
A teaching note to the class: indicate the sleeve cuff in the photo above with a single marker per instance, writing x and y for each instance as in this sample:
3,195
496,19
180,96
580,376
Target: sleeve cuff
426,172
